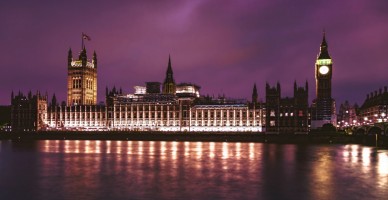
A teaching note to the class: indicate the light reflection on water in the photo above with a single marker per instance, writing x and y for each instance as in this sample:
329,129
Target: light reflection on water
191,170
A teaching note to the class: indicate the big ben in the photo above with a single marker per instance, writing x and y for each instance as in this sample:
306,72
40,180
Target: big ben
323,108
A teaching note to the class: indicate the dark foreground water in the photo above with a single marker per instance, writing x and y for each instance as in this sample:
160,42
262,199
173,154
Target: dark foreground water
190,170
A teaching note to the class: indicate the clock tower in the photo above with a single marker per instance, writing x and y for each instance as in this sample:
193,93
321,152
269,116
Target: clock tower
323,108
323,72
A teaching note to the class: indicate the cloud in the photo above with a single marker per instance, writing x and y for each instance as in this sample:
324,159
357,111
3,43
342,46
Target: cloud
224,46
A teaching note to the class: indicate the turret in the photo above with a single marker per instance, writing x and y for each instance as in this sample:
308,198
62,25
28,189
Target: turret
254,94
295,88
54,100
94,61
69,57
307,86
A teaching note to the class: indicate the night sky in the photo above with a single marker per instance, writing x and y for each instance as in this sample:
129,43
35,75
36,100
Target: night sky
224,46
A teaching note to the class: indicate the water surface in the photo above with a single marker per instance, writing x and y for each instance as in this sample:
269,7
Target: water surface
72,169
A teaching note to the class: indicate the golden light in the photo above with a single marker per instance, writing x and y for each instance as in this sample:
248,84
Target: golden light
187,148
118,147
108,147
198,150
354,153
140,149
238,150
98,146
225,152
152,147
251,151
77,144
366,156
174,150
383,164
87,146
211,149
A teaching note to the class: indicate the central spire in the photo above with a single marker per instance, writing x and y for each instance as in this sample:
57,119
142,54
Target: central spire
169,73
169,82
324,52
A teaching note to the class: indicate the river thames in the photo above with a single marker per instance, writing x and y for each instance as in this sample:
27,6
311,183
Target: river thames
83,169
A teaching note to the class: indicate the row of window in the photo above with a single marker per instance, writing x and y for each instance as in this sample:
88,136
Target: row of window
77,83
176,123
184,114
286,114
147,108
78,116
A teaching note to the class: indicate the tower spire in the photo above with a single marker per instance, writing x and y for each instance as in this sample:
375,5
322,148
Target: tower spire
324,52
169,68
169,82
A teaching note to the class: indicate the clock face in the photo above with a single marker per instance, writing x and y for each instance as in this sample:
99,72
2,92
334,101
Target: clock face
323,69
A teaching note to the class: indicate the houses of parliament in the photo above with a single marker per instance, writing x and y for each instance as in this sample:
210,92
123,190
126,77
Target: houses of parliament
172,106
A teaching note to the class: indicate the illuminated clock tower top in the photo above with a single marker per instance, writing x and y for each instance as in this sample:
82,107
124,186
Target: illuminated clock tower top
323,71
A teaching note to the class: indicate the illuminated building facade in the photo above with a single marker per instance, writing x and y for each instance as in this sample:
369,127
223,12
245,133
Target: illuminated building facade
81,79
161,112
375,107
287,115
323,107
73,118
347,115
177,107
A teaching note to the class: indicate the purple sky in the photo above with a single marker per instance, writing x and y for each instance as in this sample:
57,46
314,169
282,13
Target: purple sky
224,46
